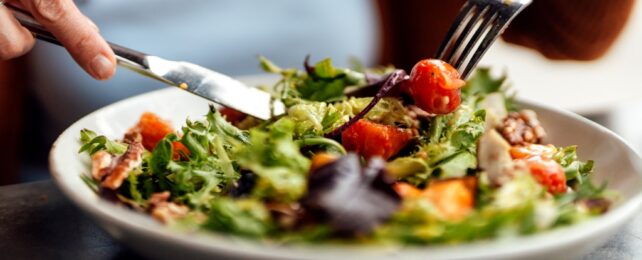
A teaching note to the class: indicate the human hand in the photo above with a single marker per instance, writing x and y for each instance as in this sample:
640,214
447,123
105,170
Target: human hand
75,31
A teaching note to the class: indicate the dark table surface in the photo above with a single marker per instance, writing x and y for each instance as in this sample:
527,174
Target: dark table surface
38,222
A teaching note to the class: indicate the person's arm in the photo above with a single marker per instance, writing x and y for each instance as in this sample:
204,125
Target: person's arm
413,29
568,29
73,29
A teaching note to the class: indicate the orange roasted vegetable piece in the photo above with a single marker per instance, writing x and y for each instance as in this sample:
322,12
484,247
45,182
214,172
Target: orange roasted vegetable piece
371,139
153,129
454,198
406,190
321,159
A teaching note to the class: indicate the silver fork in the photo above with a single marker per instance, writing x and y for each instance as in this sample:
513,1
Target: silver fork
478,25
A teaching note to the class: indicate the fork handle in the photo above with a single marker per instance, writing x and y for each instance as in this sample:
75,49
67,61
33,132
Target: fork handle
126,57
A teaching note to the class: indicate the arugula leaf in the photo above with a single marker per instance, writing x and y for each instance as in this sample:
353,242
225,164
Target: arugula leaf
92,143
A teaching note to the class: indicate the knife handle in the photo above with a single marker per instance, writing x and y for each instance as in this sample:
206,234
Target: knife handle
124,55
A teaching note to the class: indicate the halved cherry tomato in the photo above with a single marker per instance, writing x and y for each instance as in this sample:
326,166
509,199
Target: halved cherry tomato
371,139
435,86
232,115
548,173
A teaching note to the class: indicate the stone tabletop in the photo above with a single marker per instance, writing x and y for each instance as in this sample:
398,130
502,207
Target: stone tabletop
37,222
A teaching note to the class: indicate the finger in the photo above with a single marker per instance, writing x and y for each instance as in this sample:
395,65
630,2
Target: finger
15,40
79,36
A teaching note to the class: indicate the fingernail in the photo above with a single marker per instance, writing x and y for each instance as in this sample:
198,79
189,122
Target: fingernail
101,67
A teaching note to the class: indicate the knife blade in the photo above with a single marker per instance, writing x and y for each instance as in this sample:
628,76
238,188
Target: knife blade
206,83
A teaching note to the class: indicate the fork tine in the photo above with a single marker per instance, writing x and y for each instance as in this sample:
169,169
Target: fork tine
485,20
489,38
472,42
450,35
504,17
455,53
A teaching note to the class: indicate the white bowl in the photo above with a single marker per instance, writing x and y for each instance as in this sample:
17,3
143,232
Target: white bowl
615,162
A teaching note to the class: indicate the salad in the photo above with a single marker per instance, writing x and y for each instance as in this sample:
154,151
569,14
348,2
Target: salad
361,156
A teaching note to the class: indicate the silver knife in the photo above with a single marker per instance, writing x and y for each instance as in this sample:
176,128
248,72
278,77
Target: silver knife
190,77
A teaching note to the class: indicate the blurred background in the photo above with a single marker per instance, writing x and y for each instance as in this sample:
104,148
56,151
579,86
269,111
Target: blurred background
581,55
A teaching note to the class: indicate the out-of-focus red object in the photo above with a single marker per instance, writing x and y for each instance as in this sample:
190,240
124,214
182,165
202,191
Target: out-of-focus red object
231,115
548,173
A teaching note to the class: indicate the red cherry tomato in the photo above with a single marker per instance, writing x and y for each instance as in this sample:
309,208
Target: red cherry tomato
371,139
548,173
231,115
435,86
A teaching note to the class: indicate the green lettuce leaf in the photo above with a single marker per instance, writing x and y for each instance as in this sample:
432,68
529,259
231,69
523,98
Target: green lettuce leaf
318,118
209,170
482,83
245,217
275,158
451,147
574,169
325,82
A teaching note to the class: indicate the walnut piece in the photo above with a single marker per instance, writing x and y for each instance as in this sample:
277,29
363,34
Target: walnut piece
522,128
101,165
112,170
163,210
